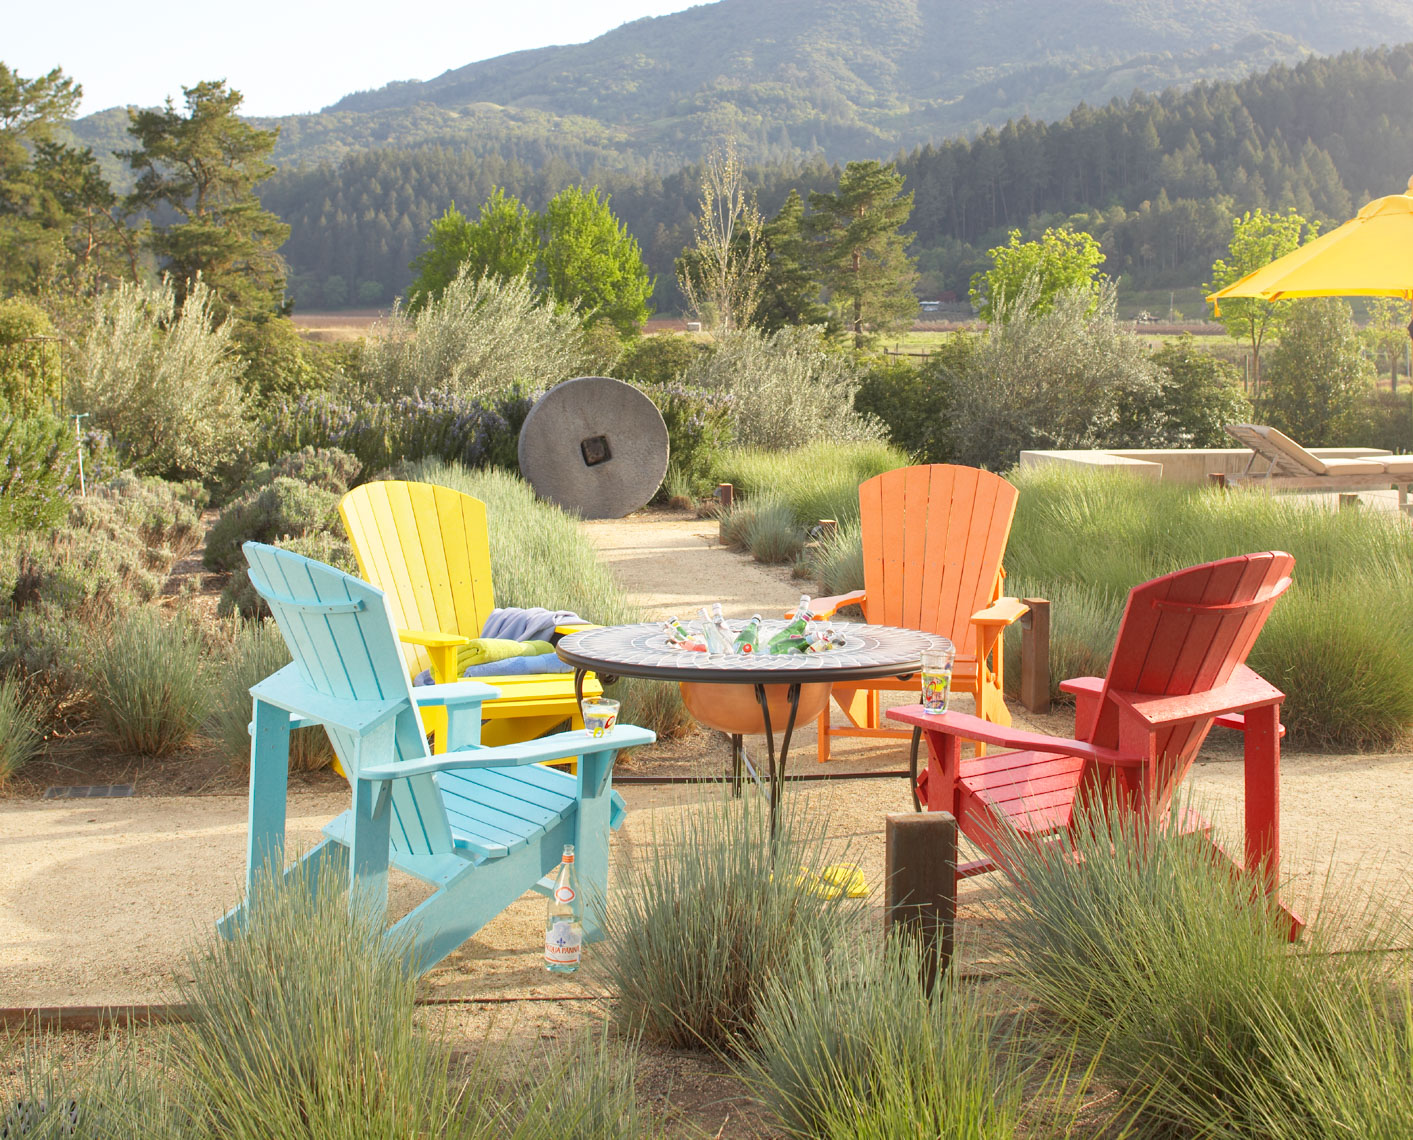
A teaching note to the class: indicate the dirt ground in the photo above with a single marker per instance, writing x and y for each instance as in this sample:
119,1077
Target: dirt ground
100,900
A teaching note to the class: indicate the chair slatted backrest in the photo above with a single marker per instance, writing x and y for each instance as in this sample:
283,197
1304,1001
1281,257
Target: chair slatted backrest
428,549
340,634
933,540
1186,633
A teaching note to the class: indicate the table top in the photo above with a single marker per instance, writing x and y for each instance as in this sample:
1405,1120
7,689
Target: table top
643,651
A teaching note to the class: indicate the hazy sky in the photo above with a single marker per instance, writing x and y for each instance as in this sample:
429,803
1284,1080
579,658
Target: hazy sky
292,56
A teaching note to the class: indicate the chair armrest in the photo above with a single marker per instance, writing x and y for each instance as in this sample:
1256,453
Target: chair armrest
1247,689
453,693
1083,686
826,607
576,742
573,628
974,728
1003,611
432,639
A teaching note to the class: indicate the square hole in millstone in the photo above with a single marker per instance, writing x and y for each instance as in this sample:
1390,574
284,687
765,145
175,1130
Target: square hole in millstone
89,792
595,450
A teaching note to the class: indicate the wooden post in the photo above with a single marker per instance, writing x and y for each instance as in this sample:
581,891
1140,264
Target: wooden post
828,528
1217,479
1035,656
1348,500
725,496
920,895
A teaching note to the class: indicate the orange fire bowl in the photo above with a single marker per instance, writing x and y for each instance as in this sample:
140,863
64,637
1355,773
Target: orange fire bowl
733,709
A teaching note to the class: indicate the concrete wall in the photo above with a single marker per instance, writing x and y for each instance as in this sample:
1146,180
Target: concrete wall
1175,464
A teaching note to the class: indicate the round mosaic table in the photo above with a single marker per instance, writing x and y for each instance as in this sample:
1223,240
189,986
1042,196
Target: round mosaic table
869,651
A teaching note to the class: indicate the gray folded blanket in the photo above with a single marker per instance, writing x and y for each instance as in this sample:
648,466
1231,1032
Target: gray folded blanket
515,624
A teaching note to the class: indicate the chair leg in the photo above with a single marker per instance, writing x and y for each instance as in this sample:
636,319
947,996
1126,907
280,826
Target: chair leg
368,859
824,735
591,831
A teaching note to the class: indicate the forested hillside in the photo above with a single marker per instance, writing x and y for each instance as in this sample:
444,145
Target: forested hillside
1157,178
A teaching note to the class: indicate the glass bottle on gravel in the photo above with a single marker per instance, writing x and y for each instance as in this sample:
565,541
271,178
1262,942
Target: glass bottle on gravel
564,926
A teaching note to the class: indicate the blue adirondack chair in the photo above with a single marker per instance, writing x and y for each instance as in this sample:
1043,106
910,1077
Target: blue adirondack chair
482,825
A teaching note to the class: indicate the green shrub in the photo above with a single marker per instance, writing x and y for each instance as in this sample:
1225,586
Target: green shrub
256,651
540,558
851,1044
787,389
480,337
37,470
41,650
711,910
116,547
819,481
914,402
1201,394
285,508
238,597
1162,963
280,364
167,386
475,433
1315,379
327,468
31,368
698,427
1072,377
1378,419
658,359
20,734
149,685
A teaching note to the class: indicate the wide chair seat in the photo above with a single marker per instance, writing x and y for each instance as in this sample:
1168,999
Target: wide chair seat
1032,791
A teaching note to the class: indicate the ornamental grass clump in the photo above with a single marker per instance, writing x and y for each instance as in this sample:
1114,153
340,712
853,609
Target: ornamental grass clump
772,535
302,1025
148,682
1166,965
20,734
818,481
708,910
850,1043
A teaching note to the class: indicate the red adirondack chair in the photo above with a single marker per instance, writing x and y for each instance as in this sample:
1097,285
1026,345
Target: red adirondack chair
1177,669
933,540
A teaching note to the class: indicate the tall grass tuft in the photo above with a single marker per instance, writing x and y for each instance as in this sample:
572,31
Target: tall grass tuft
1160,959
772,534
148,683
109,1097
20,733
851,1044
818,481
539,558
710,911
838,563
256,651
302,1025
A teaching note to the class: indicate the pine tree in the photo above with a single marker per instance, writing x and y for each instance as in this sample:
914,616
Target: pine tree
860,251
205,165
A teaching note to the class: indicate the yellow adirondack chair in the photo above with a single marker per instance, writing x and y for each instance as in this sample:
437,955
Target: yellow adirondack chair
427,548
933,540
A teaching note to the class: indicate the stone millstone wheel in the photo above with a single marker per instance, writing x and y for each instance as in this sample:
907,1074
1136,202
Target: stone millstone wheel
595,446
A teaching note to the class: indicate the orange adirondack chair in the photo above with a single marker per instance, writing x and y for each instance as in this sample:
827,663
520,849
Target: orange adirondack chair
1177,669
933,540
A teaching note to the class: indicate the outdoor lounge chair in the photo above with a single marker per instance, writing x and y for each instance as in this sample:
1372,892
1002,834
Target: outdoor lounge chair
1178,668
1289,467
933,539
481,825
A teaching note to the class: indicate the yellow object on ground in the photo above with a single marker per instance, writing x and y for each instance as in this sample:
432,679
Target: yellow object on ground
837,881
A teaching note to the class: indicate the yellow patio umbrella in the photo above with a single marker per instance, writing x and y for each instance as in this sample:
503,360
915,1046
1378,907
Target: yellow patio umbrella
1371,255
